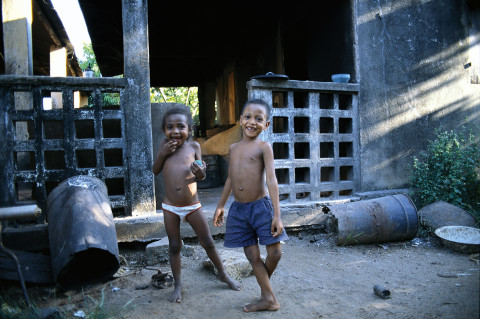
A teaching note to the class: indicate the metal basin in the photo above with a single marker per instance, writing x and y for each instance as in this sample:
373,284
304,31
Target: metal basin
460,238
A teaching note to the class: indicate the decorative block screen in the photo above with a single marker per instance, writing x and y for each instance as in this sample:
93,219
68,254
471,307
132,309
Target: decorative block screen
49,139
314,136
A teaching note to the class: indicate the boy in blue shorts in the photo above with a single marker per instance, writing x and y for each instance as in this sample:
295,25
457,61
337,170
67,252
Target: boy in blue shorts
254,216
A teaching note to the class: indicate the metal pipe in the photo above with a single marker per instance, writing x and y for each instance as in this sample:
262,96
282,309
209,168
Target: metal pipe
17,212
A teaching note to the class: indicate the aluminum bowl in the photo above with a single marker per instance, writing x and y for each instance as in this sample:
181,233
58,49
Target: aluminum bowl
460,238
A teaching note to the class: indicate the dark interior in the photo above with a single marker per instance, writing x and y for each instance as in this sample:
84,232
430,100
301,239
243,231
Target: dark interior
195,43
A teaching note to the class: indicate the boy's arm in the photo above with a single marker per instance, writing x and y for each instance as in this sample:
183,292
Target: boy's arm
227,190
164,150
272,185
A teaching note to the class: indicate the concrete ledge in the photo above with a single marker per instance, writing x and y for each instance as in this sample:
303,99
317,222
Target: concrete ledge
151,227
148,228
382,193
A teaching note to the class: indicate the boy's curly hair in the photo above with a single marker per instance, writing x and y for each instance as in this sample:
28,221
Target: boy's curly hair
260,102
178,110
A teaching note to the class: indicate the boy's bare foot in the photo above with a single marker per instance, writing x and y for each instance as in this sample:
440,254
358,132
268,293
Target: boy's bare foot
232,283
176,295
262,305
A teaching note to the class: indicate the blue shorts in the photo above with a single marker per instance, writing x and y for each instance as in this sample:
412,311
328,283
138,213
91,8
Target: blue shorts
249,223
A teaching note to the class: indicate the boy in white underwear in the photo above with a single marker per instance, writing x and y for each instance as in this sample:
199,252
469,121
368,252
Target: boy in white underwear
176,160
182,211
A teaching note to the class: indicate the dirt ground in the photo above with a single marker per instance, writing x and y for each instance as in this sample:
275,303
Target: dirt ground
315,279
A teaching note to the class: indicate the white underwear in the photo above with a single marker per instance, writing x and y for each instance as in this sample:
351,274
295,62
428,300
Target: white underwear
181,211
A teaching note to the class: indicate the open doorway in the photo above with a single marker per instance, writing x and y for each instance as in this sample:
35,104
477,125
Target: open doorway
214,139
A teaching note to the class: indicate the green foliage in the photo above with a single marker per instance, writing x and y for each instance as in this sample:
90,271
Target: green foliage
110,99
97,309
448,171
184,95
89,60
13,306
351,239
10,310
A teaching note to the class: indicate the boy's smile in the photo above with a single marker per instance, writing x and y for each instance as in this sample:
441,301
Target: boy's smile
254,120
176,129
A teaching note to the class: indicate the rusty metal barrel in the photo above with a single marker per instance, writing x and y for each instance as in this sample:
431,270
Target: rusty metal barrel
82,236
380,220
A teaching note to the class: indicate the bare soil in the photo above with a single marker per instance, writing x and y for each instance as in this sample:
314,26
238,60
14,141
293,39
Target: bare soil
315,279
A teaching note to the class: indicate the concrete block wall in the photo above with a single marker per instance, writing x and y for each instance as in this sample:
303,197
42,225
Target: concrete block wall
314,135
43,146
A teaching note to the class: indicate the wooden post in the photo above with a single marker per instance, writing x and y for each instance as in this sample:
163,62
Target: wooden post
207,113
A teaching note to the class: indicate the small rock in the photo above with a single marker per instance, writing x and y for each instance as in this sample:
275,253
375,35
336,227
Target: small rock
441,214
236,264
157,252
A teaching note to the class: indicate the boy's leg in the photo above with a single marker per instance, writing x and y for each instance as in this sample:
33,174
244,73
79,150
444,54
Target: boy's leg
172,226
268,300
274,254
200,226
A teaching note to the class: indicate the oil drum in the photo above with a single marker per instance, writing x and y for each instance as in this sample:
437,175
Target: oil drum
384,219
81,230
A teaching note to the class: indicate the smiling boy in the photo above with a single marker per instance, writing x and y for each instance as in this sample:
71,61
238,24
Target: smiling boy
177,160
254,216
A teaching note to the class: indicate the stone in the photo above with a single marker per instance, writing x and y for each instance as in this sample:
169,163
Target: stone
157,251
236,264
441,214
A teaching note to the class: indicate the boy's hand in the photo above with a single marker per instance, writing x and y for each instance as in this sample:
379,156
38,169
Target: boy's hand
277,227
218,217
198,171
169,147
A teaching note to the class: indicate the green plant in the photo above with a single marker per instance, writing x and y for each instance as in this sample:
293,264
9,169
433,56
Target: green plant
351,238
448,171
12,307
97,309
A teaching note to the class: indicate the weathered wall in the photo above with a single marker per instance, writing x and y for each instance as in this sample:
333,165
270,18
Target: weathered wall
411,62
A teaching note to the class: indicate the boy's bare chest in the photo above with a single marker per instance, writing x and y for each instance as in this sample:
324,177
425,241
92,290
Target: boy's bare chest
245,156
181,158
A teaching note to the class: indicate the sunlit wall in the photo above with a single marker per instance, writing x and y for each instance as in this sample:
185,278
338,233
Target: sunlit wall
418,67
